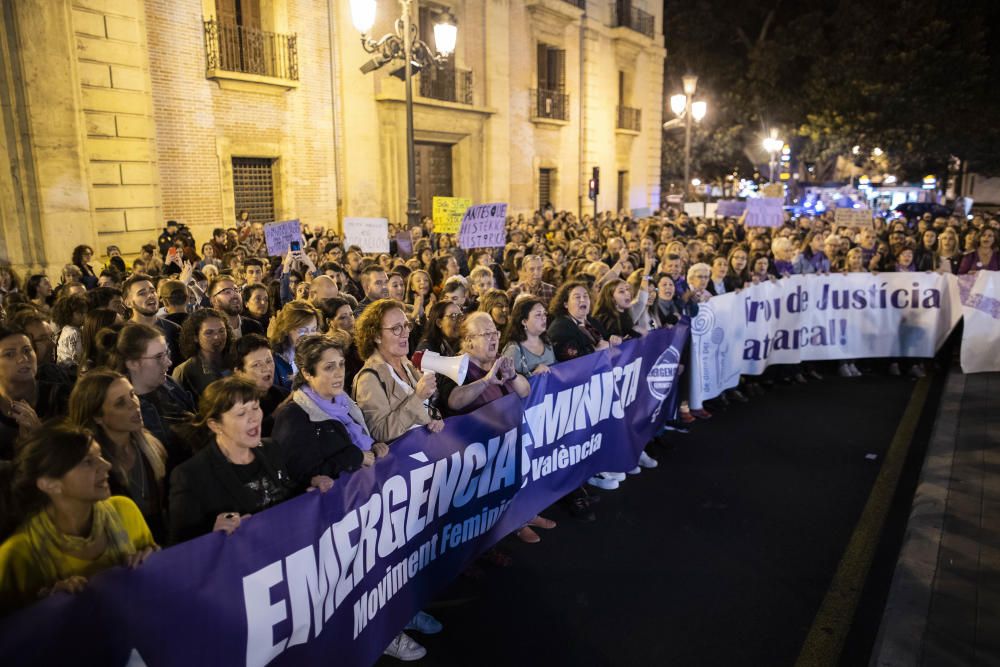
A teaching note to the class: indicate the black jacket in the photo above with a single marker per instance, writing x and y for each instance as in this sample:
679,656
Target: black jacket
206,485
570,341
313,447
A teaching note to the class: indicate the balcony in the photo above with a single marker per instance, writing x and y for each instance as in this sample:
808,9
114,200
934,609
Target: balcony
629,119
235,52
549,104
633,18
447,84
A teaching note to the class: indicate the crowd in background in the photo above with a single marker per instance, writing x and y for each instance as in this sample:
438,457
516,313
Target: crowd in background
150,401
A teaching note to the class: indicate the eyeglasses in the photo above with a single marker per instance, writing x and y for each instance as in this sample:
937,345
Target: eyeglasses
305,331
456,317
161,357
229,290
399,329
486,334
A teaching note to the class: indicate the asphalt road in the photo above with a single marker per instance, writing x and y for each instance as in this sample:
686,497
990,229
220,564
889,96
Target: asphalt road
721,556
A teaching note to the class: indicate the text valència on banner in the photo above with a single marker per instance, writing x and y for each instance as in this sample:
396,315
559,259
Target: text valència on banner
805,318
335,576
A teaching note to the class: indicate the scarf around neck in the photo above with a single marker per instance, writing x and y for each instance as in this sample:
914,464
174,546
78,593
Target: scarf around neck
47,541
339,409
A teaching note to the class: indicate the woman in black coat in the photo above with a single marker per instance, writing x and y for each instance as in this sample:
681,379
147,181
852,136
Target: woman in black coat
573,331
320,429
235,474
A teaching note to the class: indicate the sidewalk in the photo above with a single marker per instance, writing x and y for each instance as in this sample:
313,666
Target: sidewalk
943,607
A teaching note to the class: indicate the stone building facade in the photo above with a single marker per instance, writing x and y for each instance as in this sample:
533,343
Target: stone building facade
121,114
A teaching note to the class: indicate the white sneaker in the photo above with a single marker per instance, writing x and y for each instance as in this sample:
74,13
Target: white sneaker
894,369
602,482
917,371
617,476
635,471
647,461
404,648
845,371
855,371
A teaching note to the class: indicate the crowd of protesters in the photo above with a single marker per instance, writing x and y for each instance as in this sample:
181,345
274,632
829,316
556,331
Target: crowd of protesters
148,402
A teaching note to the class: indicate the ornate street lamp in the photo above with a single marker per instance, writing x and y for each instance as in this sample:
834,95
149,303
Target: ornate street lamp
687,111
402,44
772,144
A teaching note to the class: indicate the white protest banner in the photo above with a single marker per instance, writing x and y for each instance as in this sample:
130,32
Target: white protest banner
483,226
369,234
980,294
765,212
277,236
448,212
694,209
852,217
711,209
805,318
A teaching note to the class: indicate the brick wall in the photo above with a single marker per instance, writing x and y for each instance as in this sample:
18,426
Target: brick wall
199,124
120,146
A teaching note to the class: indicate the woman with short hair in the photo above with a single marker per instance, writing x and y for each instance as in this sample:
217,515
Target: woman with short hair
295,320
251,358
68,525
235,474
393,395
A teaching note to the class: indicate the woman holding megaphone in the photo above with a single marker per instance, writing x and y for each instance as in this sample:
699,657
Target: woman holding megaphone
393,395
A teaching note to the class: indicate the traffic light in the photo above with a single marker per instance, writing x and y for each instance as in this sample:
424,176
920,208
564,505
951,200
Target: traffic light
595,184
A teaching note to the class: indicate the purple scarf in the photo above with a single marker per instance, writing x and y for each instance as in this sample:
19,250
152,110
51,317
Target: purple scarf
338,409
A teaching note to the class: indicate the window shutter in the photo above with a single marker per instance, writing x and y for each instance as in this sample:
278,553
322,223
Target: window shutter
560,69
543,67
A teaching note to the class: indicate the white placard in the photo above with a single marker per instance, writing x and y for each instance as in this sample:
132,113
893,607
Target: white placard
369,234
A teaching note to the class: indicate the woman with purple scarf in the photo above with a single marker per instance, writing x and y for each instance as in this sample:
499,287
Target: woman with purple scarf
321,429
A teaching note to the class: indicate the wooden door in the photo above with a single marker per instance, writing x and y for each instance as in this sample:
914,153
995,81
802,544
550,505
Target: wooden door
433,173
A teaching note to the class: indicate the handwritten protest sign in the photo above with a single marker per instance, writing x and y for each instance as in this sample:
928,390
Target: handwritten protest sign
277,236
694,209
853,217
483,226
711,209
369,234
773,190
448,212
765,212
730,208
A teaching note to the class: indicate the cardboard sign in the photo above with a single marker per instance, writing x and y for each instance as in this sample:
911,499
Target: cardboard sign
765,212
711,209
695,209
483,226
773,190
277,236
853,217
404,244
730,208
369,234
448,212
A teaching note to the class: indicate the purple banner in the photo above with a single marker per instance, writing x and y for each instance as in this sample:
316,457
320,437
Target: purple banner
336,576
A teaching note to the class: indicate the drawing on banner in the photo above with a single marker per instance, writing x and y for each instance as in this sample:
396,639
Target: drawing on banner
483,226
853,217
279,235
448,212
369,234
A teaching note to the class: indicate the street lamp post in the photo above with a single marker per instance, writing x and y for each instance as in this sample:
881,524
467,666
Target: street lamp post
402,44
772,144
687,111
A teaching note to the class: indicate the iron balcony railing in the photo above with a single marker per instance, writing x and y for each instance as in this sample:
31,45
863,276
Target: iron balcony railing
235,48
627,16
549,104
446,83
629,119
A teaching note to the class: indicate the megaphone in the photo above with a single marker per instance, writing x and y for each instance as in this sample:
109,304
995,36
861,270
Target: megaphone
455,368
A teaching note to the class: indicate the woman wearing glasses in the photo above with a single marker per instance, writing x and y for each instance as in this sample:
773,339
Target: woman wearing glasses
393,395
251,359
441,333
295,320
141,354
